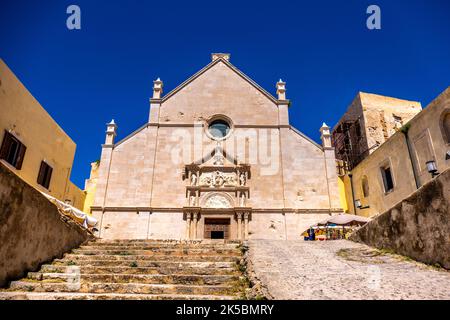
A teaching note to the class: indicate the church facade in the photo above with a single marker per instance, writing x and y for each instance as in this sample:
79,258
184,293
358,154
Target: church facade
217,159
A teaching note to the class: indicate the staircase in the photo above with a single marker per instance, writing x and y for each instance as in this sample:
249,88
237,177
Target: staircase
137,270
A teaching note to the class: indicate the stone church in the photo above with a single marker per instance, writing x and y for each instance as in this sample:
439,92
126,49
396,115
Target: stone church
217,159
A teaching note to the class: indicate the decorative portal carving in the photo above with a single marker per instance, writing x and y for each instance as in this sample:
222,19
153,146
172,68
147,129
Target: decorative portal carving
242,199
192,199
218,179
193,179
219,173
217,201
242,179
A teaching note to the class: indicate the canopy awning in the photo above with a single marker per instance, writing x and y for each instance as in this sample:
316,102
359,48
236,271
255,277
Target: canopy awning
344,219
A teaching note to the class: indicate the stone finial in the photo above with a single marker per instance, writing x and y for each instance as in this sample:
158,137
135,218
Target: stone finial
325,136
281,90
225,56
157,88
111,132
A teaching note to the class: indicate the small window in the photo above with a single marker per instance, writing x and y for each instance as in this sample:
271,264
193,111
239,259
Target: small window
387,179
45,175
365,187
12,150
446,127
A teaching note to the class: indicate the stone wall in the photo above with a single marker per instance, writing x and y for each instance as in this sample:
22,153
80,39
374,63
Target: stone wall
384,115
417,227
32,231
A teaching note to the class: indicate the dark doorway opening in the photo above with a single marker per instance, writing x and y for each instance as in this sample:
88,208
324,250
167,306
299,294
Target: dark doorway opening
217,235
217,228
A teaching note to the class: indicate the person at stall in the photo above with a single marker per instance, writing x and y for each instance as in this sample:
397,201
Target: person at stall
306,235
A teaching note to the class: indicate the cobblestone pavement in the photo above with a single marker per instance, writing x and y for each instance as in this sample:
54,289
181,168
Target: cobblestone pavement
342,269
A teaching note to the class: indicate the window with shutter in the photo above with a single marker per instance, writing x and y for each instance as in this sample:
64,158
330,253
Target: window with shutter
45,175
12,150
20,156
40,179
6,144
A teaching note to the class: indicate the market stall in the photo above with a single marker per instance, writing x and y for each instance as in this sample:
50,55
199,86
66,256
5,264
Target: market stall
334,227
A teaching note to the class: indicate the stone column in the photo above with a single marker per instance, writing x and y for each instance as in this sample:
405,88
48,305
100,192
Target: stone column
188,225
246,216
194,225
239,225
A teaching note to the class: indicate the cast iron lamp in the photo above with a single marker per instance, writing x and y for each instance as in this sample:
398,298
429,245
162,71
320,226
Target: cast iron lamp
432,168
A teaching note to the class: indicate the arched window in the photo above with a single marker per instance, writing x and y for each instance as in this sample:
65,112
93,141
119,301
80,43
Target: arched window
365,186
446,126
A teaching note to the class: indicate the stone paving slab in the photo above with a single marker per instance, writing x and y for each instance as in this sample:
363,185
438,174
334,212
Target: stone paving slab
342,269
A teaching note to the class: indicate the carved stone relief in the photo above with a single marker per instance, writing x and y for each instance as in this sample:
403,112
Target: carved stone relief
217,201
218,179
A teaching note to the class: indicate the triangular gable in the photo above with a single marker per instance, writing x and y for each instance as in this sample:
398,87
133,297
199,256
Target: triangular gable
209,66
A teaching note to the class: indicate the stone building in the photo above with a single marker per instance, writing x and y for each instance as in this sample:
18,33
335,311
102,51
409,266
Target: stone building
33,145
216,159
405,158
369,121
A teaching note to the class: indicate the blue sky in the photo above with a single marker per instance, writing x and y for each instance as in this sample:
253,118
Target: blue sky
322,49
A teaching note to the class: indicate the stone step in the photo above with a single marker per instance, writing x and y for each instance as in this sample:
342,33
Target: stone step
50,277
104,296
159,251
137,278
41,286
202,243
165,245
175,258
146,263
135,269
157,248
138,270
